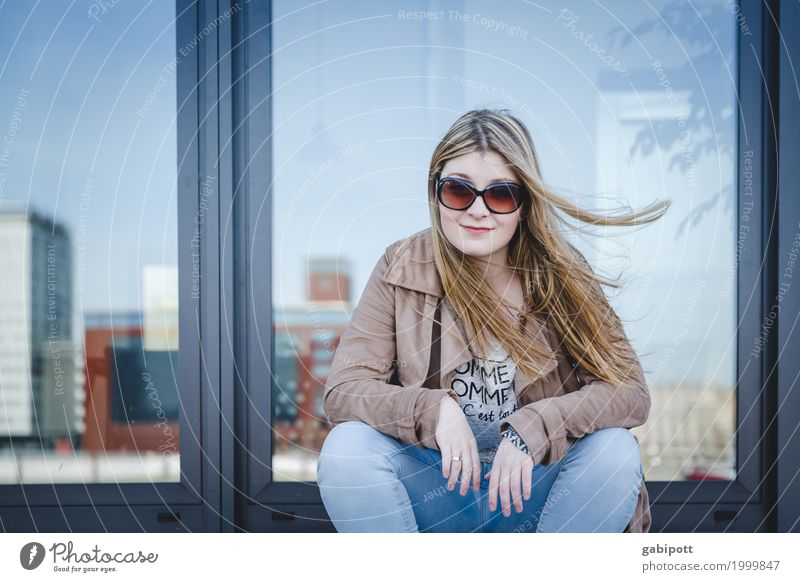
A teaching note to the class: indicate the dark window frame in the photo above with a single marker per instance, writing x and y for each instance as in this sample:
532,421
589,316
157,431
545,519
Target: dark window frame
745,504
224,131
192,504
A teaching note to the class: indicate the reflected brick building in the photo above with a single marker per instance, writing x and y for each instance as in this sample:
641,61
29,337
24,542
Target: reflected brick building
306,337
131,392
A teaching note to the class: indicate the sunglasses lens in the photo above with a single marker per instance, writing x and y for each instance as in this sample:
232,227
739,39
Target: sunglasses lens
456,195
503,198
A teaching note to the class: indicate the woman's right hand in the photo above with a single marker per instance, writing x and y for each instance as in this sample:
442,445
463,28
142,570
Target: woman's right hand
454,438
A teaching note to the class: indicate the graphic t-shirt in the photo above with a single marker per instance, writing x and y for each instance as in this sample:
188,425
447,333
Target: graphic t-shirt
485,389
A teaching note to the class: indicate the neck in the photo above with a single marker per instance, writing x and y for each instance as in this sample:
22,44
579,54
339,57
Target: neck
495,266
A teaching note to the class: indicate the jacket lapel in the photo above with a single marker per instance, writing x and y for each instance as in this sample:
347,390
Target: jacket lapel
413,267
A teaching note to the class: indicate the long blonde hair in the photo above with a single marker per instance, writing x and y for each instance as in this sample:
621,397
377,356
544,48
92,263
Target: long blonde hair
558,283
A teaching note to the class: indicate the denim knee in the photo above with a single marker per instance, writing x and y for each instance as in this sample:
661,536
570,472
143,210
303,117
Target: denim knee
351,447
613,457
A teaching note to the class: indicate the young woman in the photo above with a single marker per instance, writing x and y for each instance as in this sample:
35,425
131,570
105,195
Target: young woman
483,362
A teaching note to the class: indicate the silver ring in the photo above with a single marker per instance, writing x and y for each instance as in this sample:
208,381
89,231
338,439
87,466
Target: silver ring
455,458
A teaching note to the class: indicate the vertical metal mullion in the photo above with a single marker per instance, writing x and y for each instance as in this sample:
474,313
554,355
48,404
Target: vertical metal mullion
209,314
227,233
788,336
188,118
239,292
257,296
769,256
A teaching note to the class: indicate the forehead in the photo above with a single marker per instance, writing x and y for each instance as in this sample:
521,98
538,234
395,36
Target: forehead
480,167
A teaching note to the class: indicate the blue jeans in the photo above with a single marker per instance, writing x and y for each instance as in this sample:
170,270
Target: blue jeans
372,482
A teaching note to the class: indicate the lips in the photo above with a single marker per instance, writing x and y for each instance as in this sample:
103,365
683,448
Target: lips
475,229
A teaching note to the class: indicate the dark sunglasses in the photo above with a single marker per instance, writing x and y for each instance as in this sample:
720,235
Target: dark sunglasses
500,197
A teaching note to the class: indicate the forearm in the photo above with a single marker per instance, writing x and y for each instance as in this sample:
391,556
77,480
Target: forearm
409,413
545,425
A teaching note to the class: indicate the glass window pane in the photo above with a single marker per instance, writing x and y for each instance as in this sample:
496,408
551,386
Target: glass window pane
88,243
628,103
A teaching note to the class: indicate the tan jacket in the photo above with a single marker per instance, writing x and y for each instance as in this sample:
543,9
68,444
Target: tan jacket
386,340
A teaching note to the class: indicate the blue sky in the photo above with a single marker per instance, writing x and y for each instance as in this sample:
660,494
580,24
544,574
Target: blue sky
362,93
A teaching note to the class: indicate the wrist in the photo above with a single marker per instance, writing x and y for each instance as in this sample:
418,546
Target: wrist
511,435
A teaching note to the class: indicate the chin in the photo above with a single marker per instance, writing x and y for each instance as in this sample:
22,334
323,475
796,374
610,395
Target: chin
474,248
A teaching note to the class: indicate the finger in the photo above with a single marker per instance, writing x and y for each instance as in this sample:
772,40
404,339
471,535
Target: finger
455,471
505,499
476,464
467,468
527,480
445,461
515,479
492,491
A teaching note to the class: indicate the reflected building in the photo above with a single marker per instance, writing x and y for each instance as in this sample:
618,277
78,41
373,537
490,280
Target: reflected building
306,337
690,434
132,371
132,391
62,419
160,313
39,364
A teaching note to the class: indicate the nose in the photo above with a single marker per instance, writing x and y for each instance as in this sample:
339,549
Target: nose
478,208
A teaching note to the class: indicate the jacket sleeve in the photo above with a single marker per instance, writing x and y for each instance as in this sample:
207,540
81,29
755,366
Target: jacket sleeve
546,425
357,386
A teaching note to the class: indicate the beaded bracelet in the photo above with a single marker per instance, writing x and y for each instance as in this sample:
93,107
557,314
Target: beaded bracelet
512,435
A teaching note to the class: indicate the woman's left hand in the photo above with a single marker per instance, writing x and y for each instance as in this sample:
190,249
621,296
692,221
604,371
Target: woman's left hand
511,472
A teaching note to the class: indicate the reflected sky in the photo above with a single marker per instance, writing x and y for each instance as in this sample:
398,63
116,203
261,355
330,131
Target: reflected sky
627,102
95,144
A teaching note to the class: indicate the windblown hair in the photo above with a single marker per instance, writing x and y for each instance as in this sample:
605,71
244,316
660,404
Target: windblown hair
558,283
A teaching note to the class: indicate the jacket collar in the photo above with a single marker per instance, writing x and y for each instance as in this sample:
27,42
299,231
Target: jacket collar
411,265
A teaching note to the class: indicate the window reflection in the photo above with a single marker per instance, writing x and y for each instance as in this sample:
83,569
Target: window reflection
626,103
88,244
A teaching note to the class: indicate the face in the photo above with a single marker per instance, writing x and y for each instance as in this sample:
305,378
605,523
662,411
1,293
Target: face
496,230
